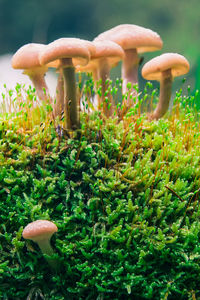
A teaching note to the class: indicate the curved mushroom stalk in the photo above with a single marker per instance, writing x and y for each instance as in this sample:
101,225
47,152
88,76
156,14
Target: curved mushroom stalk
165,95
38,80
46,249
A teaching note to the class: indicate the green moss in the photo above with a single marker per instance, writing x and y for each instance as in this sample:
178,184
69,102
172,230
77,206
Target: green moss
124,195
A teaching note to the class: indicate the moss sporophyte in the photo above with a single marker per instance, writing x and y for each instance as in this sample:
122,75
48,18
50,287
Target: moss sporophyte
119,190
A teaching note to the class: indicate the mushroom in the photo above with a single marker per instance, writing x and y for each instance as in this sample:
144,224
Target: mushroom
67,53
59,105
134,40
107,55
27,58
164,68
40,232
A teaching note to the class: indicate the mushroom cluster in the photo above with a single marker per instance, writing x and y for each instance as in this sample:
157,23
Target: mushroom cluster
122,43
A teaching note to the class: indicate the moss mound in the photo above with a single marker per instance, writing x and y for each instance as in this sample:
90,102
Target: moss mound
125,198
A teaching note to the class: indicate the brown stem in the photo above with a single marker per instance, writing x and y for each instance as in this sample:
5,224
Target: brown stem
59,105
165,95
70,99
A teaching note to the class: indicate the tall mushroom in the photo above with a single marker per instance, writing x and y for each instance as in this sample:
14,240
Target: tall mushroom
40,232
164,68
27,59
106,56
68,52
134,40
59,105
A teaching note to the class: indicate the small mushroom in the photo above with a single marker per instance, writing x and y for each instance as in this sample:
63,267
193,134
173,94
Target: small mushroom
40,232
27,59
134,40
164,68
106,56
68,53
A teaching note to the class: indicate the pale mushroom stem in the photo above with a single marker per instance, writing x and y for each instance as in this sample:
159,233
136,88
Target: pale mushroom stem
104,75
165,95
40,85
47,249
59,105
95,75
70,99
130,71
97,98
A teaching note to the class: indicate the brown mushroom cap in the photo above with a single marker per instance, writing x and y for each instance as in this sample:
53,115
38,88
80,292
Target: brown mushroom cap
130,36
39,230
109,50
91,47
27,57
104,49
177,63
74,48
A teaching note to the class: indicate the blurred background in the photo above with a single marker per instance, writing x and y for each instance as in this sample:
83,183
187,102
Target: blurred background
42,21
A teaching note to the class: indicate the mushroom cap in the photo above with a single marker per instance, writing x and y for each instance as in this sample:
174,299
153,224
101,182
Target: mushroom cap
91,47
109,50
177,63
27,57
130,36
39,230
106,48
77,49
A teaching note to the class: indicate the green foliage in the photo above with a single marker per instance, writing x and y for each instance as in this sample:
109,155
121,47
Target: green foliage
124,195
